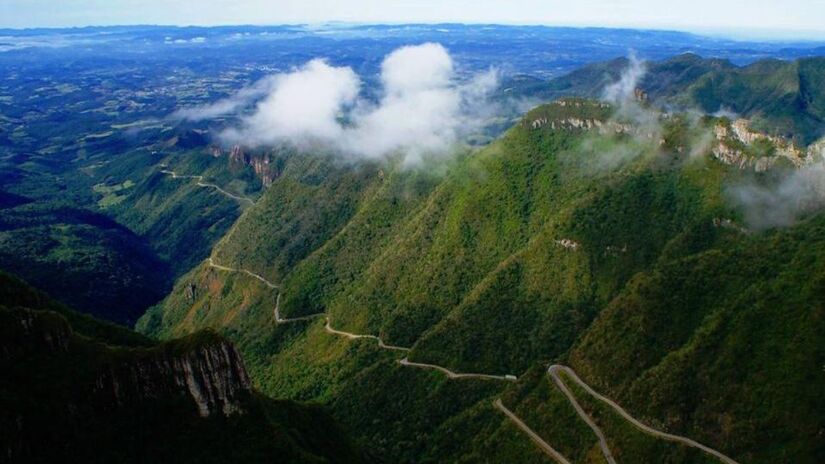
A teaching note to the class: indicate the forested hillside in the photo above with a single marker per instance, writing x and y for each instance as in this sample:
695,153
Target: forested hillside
586,234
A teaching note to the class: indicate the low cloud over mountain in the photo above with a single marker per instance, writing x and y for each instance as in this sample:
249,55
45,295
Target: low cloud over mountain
422,108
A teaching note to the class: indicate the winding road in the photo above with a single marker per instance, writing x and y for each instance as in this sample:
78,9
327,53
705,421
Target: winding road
458,375
353,336
201,183
212,263
553,371
545,447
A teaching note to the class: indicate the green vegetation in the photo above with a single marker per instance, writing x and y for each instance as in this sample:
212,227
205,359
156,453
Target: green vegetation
83,258
628,444
112,194
782,97
549,244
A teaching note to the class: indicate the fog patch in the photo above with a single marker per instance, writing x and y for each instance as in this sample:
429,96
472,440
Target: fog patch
623,91
229,105
785,202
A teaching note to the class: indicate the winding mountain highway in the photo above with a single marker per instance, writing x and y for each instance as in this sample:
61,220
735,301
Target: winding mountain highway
543,445
458,375
553,371
200,183
353,336
212,263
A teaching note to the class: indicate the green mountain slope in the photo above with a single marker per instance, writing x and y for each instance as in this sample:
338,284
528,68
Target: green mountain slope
84,258
782,97
586,235
100,226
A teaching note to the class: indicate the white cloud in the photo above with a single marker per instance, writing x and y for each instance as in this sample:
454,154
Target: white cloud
303,106
229,105
422,109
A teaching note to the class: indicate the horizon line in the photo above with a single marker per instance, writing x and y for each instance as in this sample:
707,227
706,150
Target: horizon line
743,34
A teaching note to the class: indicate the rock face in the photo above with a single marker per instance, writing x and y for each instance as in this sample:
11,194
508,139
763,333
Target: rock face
212,375
567,243
262,164
575,114
733,139
204,368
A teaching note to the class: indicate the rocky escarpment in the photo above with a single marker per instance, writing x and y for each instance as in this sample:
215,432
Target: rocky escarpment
211,374
585,115
261,164
203,369
735,142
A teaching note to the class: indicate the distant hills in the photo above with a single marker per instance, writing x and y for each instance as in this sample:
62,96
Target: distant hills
781,97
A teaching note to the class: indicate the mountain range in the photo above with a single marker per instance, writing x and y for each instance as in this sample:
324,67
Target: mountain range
591,286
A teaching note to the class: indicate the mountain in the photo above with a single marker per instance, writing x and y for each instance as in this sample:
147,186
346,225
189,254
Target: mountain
781,97
74,386
109,232
586,236
592,284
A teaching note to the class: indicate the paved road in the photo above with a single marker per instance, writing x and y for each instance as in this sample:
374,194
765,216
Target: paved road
201,183
458,375
553,372
281,320
353,336
212,263
545,447
644,428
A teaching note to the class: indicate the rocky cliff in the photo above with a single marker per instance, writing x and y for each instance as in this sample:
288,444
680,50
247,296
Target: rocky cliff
738,145
76,389
211,375
261,163
203,368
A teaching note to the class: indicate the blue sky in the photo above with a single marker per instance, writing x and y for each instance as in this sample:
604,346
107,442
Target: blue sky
785,18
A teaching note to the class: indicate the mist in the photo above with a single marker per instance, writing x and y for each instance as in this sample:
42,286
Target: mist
785,202
608,154
623,92
229,105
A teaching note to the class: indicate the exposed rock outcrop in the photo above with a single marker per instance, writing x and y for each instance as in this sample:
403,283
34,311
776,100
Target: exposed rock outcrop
211,374
734,138
726,223
567,243
261,164
204,367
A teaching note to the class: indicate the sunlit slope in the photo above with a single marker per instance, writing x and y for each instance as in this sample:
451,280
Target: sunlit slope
533,250
724,345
